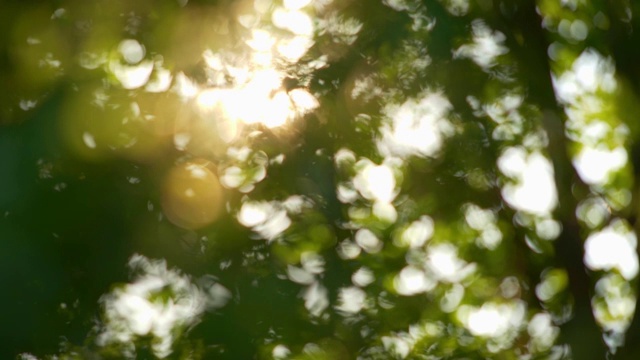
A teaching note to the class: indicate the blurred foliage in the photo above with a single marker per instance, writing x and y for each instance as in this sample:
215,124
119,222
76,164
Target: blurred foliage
319,179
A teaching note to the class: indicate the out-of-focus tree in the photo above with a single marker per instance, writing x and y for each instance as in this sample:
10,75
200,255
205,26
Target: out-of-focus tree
298,179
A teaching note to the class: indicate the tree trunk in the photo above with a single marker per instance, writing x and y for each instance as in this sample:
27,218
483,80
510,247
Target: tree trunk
522,26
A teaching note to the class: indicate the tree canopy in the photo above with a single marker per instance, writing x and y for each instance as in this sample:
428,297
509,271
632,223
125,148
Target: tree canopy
328,179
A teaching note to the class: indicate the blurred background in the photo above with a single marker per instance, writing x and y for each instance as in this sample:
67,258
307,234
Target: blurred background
318,179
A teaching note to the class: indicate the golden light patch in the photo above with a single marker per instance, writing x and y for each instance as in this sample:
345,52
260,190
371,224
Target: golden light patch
192,196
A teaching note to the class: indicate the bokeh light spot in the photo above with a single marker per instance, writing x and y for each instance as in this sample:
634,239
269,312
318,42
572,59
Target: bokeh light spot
192,196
